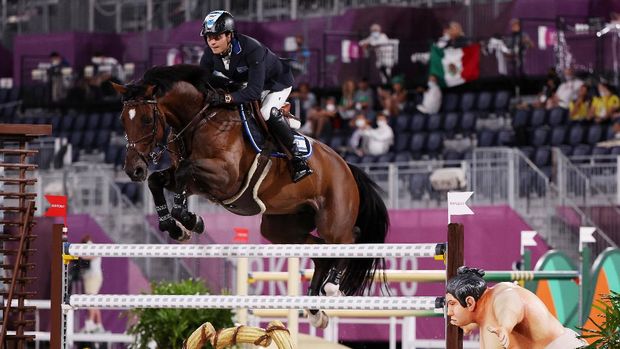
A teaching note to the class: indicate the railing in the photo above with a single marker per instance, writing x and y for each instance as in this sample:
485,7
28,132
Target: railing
602,170
591,195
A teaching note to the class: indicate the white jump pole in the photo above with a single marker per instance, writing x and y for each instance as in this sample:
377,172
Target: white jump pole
292,290
242,288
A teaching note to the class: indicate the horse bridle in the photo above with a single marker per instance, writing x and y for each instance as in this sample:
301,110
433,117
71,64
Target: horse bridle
151,138
157,115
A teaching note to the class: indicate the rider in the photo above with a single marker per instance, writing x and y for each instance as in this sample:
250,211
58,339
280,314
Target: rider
243,59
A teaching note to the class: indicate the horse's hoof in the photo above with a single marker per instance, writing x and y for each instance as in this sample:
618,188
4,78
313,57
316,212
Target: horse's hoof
199,227
172,228
318,320
332,290
185,234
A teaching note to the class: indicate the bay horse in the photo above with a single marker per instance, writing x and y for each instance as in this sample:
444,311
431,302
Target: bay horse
211,157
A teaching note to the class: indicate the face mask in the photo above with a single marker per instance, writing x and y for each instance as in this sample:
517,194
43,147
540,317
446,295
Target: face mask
603,93
330,107
375,35
381,123
432,84
360,123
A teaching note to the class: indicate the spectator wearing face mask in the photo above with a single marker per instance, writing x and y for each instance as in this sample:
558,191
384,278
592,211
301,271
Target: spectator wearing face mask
360,124
431,99
604,106
319,117
377,141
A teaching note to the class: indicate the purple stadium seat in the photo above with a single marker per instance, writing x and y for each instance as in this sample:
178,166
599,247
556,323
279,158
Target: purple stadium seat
402,122
486,138
540,136
485,100
433,122
557,116
418,143
601,151
502,101
575,135
418,122
449,102
558,135
451,122
539,117
595,134
468,101
468,122
582,150
505,138
542,156
401,142
434,143
521,118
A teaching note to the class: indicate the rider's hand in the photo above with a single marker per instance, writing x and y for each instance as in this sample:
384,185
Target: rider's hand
217,99
501,334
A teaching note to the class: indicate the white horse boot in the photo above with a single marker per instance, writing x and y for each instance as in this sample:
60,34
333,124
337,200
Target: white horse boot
332,290
318,320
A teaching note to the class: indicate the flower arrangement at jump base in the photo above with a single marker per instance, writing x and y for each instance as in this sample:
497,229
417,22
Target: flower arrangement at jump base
225,338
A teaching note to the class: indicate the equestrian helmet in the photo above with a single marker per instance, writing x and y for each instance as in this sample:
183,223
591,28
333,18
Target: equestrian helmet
218,22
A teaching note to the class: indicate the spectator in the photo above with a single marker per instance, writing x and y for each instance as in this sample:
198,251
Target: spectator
92,278
545,96
393,102
457,38
346,107
431,99
377,141
300,56
58,87
567,91
360,124
579,109
319,117
517,43
606,105
364,98
383,50
304,101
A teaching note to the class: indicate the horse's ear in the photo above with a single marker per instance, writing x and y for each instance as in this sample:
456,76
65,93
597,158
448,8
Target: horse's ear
119,88
149,91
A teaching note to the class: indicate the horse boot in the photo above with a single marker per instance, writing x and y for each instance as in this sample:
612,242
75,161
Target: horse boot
281,129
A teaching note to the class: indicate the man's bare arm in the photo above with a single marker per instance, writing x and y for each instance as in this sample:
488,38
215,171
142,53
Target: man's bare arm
508,309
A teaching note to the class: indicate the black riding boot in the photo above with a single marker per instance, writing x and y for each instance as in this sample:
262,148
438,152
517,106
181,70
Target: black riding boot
281,129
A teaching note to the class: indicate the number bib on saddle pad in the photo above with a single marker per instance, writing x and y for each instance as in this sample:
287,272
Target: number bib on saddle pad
255,136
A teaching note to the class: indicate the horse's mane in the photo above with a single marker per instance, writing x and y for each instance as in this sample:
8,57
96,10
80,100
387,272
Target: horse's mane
164,78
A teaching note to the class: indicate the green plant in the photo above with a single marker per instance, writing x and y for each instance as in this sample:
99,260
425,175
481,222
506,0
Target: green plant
606,333
170,327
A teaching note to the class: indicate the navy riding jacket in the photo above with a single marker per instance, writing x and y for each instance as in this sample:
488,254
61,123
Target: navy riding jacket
253,63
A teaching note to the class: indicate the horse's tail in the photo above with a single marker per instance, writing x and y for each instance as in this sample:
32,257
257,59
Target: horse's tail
373,223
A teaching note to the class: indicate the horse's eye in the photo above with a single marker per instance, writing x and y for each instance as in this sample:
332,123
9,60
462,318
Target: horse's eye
147,120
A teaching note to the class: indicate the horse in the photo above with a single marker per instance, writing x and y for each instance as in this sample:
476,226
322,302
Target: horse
211,157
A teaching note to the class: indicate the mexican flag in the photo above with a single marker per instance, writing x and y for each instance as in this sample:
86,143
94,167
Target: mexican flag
454,66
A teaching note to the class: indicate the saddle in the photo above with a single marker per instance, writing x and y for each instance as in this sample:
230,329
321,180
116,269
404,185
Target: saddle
246,202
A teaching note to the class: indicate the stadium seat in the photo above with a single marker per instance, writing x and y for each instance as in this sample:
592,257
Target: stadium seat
468,122
575,135
485,100
75,138
453,155
107,121
601,151
582,150
368,159
558,135
595,134
417,143
385,158
539,117
557,116
505,138
418,122
542,157
610,133
434,143
615,151
102,140
449,102
352,159
502,101
527,151
89,139
540,136
111,153
93,121
337,141
401,142
521,118
403,156
468,101
486,138
67,123
434,122
566,149
418,185
80,122
402,122
451,122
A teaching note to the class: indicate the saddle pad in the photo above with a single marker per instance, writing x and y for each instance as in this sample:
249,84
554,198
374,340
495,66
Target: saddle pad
254,134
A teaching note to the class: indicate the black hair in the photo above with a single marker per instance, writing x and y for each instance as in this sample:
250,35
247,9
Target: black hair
467,282
54,54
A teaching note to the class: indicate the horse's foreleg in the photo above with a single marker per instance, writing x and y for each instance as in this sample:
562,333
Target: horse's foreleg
190,220
157,181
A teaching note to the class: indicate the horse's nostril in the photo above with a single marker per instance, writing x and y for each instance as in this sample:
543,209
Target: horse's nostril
138,172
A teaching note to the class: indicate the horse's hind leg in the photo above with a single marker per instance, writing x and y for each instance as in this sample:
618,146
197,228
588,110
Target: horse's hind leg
190,220
296,229
157,182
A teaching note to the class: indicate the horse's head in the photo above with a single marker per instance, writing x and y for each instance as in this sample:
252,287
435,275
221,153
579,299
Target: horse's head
144,128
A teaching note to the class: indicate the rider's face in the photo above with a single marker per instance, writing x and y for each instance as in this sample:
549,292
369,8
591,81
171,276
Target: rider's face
218,43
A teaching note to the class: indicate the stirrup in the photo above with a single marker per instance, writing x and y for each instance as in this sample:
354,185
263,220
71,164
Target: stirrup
300,169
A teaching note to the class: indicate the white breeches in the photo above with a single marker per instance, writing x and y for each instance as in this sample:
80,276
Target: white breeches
274,99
